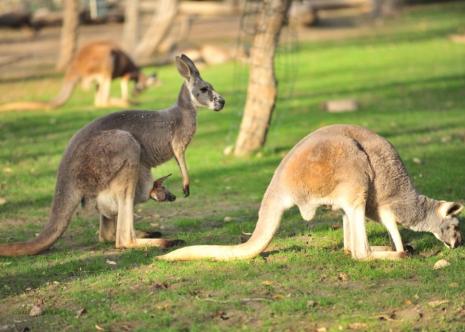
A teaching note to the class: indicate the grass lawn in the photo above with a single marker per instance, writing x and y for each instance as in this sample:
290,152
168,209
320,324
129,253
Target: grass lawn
410,81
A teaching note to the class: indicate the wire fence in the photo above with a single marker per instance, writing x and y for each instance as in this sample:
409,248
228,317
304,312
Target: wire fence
285,64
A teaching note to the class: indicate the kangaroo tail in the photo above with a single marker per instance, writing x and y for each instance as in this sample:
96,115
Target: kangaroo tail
65,93
269,218
64,204
24,106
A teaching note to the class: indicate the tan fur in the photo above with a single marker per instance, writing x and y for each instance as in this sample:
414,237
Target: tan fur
97,62
355,170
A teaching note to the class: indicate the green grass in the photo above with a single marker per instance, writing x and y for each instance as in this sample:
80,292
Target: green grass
410,81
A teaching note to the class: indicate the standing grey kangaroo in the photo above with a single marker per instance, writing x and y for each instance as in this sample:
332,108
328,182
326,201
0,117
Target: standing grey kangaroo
349,168
110,160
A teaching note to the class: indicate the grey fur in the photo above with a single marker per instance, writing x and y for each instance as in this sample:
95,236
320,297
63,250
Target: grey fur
110,160
391,186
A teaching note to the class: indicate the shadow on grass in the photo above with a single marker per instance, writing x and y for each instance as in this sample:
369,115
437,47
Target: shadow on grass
383,39
291,249
438,89
74,268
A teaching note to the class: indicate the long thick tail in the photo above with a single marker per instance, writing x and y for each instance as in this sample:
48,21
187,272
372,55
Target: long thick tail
269,217
65,93
64,204
24,106
62,97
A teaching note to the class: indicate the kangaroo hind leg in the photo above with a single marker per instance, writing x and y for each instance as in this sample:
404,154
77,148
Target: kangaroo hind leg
123,187
107,230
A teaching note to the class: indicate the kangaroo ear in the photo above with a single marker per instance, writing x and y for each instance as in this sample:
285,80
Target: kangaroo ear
159,182
183,68
449,209
192,68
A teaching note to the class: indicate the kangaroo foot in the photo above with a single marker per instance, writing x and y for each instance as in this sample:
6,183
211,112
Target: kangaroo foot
388,255
158,243
119,102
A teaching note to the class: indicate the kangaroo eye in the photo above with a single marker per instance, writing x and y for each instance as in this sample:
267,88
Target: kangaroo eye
203,90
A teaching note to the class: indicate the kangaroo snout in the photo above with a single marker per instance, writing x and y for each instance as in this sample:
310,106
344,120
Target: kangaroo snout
170,197
219,103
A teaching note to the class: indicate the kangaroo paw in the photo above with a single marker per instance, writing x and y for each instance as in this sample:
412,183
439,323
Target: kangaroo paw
186,190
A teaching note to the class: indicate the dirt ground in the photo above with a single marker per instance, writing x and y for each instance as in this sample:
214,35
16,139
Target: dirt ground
24,56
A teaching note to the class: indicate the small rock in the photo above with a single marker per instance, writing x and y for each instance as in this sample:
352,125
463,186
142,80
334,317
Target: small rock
417,161
37,309
441,264
81,312
358,326
110,262
340,106
227,219
343,276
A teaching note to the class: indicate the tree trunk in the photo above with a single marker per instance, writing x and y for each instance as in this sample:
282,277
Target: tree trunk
131,25
158,29
262,89
385,7
69,33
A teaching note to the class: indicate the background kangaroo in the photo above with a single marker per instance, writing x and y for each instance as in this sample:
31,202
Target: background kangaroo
350,168
110,160
98,62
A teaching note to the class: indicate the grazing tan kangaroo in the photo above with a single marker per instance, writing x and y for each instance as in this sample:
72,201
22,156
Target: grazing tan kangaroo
350,168
110,160
98,62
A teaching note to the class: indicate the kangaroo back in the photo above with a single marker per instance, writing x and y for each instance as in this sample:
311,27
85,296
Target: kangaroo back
64,204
